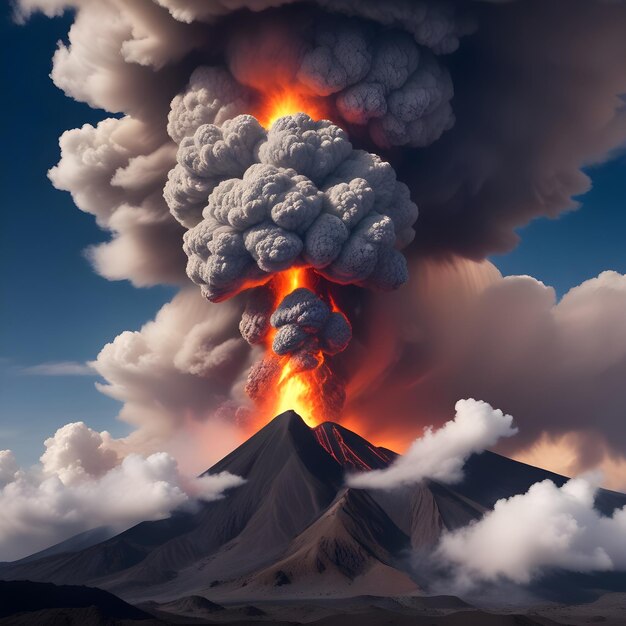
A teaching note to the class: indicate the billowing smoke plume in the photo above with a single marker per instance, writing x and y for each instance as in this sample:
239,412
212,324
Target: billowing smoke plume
306,328
489,174
212,96
385,82
297,195
180,379
306,331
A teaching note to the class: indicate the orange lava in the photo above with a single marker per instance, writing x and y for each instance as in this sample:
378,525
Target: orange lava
303,392
294,390
287,101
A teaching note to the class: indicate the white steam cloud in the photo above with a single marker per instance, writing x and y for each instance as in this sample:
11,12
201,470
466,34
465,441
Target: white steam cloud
441,454
548,528
82,484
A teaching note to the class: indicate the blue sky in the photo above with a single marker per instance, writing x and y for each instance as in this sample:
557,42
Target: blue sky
55,308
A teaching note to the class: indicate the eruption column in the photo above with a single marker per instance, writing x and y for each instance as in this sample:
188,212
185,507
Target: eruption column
280,213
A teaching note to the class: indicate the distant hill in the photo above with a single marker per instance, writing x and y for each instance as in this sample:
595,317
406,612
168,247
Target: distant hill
25,602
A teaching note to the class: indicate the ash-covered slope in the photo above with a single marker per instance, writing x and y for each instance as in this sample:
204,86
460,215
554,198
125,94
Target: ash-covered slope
293,529
291,480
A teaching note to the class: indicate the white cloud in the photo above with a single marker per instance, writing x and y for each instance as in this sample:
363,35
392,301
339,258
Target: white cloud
544,529
441,454
181,372
76,452
81,484
8,467
59,368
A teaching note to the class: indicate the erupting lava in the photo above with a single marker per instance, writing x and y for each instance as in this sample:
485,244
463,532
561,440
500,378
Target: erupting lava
296,391
287,101
300,391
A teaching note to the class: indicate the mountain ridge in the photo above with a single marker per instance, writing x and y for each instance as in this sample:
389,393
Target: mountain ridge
293,528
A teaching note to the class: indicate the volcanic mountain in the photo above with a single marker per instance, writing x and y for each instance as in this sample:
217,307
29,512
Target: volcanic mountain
293,529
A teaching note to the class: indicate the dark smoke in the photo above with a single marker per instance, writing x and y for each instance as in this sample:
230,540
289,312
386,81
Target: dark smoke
382,80
296,195
307,328
537,88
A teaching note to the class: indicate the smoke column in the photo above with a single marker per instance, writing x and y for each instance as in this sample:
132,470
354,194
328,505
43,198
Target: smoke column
275,147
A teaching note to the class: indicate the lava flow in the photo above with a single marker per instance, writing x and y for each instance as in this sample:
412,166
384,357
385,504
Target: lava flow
305,392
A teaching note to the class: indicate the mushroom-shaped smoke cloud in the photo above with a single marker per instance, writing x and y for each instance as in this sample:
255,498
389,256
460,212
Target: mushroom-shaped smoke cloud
296,195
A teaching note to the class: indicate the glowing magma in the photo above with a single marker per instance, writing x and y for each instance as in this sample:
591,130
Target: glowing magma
298,391
285,101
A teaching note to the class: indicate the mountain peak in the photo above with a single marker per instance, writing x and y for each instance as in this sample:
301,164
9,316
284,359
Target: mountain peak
288,420
286,417
351,451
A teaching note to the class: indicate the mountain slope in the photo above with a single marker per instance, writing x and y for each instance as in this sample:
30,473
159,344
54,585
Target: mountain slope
350,450
352,546
281,463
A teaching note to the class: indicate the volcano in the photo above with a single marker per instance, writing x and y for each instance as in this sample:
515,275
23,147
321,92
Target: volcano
293,530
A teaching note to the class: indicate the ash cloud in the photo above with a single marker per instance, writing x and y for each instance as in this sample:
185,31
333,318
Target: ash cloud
531,114
525,126
180,380
211,97
385,82
209,156
307,328
115,171
306,198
